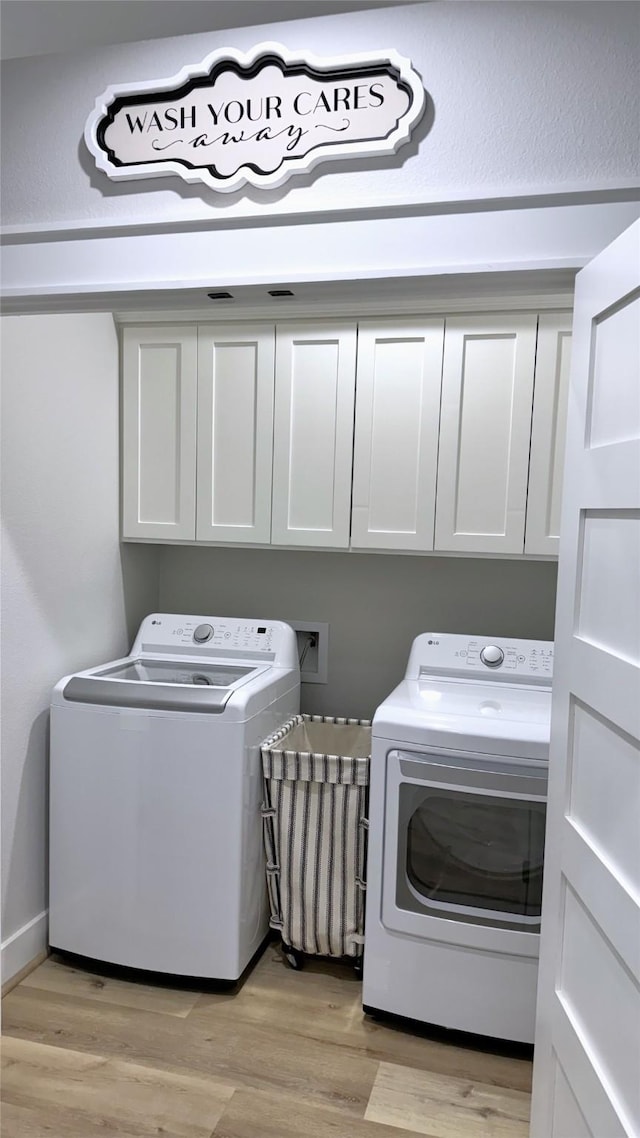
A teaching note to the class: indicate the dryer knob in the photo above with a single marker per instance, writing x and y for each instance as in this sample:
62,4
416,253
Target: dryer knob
203,633
492,656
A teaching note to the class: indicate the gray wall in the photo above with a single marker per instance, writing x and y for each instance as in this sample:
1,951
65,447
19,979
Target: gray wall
374,603
70,596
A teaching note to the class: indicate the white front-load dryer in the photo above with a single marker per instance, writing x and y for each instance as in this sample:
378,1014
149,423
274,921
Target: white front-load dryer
457,814
156,854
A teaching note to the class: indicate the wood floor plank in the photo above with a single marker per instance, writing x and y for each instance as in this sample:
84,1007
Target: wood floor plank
445,1107
396,1044
24,972
113,1030
256,1114
245,1054
133,1098
324,1002
63,1122
315,1002
57,976
305,1062
319,1072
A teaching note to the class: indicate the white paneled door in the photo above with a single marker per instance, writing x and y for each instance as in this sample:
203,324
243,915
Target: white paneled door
587,1057
313,435
235,433
159,393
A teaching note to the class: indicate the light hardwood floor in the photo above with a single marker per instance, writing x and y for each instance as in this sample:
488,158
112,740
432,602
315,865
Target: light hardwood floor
290,1055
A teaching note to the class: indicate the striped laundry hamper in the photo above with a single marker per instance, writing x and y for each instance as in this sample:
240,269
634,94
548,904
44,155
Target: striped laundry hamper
316,786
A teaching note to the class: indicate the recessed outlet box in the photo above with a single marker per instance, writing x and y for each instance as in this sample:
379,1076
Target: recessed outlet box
313,650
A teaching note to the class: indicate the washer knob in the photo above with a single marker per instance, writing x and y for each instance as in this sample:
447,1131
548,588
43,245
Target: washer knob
203,633
492,656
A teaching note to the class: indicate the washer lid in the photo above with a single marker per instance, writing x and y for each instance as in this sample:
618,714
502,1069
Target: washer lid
483,717
200,674
175,685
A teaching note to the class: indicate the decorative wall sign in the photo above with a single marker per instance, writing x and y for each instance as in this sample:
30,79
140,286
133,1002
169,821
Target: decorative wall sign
257,118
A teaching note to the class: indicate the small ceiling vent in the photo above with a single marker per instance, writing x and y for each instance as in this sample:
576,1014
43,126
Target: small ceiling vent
220,295
280,292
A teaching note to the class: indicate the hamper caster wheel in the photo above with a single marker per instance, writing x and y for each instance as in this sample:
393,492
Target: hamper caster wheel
357,967
293,958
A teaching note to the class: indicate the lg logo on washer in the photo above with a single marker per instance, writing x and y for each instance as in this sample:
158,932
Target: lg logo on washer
257,118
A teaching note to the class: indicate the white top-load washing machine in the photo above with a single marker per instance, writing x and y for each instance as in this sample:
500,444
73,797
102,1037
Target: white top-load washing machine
156,853
456,839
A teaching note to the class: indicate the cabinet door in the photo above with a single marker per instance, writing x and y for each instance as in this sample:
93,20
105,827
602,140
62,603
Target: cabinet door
548,430
485,429
399,375
235,433
159,433
313,435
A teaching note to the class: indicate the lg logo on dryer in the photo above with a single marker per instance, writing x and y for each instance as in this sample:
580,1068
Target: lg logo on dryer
256,118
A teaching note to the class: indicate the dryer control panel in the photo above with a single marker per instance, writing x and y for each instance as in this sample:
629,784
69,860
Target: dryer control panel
481,657
218,637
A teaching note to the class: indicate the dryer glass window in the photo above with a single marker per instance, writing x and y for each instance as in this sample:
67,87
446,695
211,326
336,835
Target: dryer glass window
476,856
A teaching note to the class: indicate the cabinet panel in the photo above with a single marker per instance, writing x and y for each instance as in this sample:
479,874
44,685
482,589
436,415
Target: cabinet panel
235,429
159,432
548,430
487,390
313,435
396,436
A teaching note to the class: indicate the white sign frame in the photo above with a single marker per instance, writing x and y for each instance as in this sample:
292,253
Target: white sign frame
229,61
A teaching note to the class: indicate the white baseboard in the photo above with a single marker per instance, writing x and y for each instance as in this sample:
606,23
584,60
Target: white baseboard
23,946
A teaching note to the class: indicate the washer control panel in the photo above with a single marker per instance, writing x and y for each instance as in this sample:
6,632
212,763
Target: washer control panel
217,637
515,661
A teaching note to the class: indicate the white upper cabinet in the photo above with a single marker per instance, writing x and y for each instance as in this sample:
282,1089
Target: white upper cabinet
313,434
235,431
399,375
548,432
485,429
412,434
159,433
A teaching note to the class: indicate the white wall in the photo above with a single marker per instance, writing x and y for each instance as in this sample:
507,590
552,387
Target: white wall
526,97
69,598
374,603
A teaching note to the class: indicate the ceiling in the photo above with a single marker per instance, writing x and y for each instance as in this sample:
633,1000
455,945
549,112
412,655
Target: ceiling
43,27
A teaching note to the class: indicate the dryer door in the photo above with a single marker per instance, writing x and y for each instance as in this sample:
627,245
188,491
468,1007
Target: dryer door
464,844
